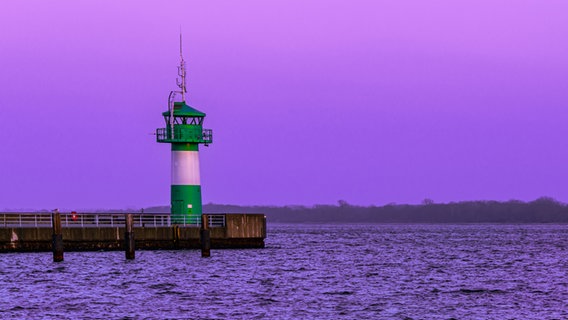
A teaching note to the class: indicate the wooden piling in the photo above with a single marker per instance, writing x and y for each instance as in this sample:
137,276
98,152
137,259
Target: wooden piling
57,237
205,237
129,236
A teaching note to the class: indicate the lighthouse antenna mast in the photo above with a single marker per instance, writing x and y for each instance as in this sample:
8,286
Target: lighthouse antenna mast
181,71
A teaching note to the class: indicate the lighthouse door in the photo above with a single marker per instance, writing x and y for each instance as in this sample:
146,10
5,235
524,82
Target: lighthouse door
178,211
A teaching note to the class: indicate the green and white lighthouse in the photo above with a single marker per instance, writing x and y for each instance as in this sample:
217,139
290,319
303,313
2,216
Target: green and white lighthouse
184,130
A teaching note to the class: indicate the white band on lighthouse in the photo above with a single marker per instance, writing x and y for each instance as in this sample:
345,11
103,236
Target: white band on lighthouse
185,168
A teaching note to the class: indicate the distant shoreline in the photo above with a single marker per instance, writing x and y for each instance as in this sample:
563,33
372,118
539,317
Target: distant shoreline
541,210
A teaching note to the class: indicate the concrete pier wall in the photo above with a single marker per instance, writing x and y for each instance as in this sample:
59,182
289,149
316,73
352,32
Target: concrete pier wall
240,231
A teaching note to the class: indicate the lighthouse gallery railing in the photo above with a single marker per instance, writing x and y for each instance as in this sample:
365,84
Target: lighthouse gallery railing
184,134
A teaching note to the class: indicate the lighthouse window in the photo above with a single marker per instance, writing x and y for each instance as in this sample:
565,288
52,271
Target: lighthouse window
192,121
196,121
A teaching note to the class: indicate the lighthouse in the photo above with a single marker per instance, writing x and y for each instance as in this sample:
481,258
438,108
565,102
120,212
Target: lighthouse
184,131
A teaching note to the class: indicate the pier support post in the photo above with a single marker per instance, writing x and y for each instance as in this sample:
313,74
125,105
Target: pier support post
205,237
57,236
129,236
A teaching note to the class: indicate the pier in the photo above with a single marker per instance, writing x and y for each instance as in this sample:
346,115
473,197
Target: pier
33,232
184,227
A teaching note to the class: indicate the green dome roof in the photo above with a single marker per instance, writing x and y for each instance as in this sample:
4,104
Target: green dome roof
183,110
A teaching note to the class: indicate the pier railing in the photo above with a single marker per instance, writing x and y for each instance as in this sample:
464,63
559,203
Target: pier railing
95,220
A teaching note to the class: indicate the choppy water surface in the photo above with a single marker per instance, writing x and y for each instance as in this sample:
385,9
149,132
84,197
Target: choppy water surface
309,271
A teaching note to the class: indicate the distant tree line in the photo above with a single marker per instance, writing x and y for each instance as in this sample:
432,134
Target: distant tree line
542,210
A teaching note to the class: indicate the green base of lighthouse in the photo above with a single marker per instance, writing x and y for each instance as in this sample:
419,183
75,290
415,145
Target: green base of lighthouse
186,204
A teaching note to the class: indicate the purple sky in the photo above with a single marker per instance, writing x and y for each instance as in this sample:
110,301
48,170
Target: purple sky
310,102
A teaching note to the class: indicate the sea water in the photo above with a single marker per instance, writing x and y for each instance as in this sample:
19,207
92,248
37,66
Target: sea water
381,271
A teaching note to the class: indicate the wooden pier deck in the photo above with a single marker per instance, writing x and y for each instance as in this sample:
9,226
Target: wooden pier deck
32,232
